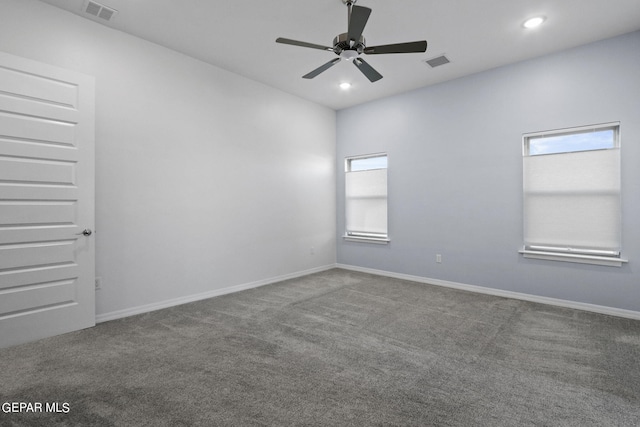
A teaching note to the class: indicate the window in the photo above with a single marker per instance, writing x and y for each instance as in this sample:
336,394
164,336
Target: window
572,195
366,198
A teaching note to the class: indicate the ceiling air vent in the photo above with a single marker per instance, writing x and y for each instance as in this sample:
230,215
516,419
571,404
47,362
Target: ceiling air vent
437,61
99,10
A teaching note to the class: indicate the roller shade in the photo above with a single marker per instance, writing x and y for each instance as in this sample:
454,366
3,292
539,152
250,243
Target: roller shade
366,202
572,202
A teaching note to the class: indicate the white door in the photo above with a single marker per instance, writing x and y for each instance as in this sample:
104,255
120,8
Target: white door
46,201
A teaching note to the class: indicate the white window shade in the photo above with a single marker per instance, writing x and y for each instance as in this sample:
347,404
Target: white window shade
572,202
366,203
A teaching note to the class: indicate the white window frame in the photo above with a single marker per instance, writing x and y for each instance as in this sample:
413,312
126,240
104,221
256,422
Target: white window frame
363,235
569,254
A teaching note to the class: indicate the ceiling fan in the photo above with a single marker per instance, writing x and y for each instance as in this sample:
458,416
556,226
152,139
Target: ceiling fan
351,45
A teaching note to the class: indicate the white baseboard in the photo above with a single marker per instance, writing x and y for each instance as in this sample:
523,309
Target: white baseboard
118,314
612,311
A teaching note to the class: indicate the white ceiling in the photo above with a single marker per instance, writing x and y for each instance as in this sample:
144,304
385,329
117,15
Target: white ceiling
476,35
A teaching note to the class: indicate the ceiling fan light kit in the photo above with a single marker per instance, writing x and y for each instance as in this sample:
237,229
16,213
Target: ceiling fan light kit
350,45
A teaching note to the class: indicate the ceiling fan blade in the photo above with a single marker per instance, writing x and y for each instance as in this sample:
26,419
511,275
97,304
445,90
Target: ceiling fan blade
367,70
357,21
303,44
410,47
321,69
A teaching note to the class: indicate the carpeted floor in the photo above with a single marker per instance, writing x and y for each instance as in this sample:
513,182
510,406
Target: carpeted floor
336,348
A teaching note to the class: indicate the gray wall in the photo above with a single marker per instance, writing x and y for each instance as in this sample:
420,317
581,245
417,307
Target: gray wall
455,171
204,179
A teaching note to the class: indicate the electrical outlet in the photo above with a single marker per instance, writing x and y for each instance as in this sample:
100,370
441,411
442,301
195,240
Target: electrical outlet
98,283
438,258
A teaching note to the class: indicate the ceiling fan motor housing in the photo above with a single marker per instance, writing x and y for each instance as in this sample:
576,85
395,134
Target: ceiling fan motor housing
341,43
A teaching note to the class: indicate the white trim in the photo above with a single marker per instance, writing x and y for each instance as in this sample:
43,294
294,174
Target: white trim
566,257
611,311
118,314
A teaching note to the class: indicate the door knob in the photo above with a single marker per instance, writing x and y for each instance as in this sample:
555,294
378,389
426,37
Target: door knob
86,232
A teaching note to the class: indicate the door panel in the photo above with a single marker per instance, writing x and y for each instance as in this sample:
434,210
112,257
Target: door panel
38,87
29,255
46,200
41,274
37,296
42,213
36,129
25,169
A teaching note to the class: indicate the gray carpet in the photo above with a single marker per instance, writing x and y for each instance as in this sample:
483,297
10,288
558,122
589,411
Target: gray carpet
336,348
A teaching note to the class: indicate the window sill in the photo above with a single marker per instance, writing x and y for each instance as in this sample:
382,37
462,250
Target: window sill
376,240
583,259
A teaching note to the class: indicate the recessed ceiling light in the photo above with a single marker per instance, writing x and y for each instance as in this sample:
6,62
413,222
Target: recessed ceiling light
345,86
534,22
